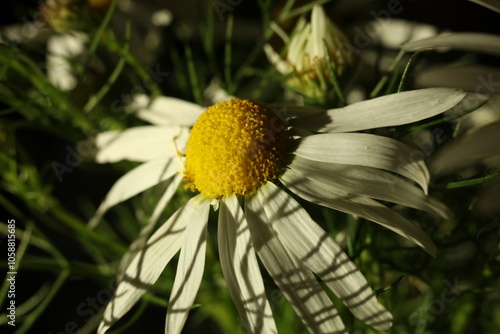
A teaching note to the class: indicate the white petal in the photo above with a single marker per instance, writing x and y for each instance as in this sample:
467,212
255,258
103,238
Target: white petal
471,78
366,150
141,239
137,180
296,48
490,4
147,266
189,270
61,49
214,93
275,59
370,182
315,46
470,149
241,270
321,194
395,32
166,110
142,143
310,243
388,110
465,41
297,282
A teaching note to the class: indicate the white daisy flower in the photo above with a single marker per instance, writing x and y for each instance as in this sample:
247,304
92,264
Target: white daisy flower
238,155
60,49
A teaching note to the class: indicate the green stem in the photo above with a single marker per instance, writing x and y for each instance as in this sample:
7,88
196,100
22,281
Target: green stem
447,119
375,92
470,182
94,100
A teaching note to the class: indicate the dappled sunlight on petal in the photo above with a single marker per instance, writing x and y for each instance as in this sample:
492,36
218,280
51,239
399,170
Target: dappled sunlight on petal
317,250
134,182
241,269
366,150
321,194
296,281
149,263
390,110
189,268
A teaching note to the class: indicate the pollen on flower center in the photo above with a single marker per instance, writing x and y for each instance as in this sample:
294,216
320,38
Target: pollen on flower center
234,147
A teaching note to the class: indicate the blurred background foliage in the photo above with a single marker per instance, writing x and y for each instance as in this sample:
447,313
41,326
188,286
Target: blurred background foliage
50,185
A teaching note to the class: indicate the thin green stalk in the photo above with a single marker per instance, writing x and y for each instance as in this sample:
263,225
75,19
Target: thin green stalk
391,286
406,71
333,75
34,300
91,325
470,182
207,33
48,265
31,318
137,315
20,251
102,28
393,81
80,227
95,99
6,64
350,239
375,92
114,45
285,12
447,119
193,79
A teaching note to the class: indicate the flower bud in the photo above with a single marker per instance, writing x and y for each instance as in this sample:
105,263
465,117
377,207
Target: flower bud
73,15
318,54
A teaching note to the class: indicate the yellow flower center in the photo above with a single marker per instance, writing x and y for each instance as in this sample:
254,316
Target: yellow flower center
234,147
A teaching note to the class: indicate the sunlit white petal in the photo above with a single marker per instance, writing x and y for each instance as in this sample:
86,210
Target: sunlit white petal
465,41
388,110
241,270
370,182
165,110
297,282
366,150
141,239
142,143
322,194
312,245
149,263
189,269
137,180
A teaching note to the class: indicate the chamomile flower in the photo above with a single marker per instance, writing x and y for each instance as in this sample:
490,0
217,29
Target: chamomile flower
238,157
